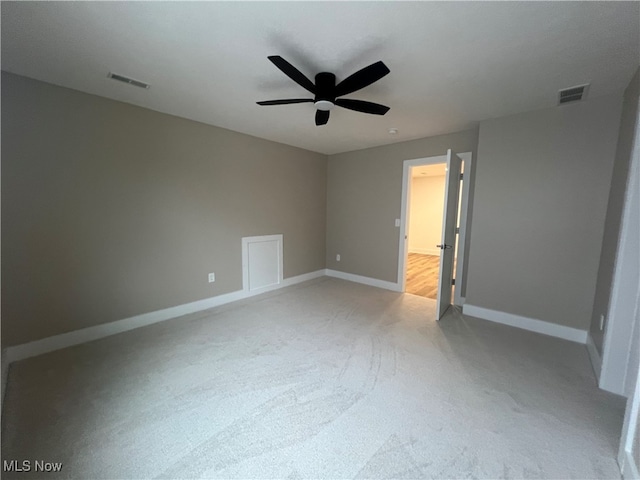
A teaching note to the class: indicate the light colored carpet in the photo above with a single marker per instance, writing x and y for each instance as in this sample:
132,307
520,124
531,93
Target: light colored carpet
328,379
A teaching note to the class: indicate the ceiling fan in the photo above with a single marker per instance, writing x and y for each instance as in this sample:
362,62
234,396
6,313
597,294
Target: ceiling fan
326,91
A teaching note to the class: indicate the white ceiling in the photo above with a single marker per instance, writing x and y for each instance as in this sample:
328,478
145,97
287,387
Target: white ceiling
435,170
452,64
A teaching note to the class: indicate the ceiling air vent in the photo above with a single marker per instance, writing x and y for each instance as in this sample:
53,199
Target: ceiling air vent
573,94
130,81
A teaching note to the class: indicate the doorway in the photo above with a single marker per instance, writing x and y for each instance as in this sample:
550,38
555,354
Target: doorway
421,245
424,229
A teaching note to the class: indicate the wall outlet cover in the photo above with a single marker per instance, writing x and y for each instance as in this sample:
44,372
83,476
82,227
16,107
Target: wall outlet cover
212,277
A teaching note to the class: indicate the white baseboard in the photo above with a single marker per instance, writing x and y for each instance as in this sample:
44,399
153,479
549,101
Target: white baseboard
630,468
76,337
374,282
531,324
305,277
425,251
594,356
461,301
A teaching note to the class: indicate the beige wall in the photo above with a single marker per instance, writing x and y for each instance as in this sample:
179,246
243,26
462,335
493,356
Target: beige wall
364,193
542,181
110,210
614,208
426,205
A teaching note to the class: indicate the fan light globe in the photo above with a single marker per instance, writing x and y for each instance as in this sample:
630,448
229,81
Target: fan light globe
324,105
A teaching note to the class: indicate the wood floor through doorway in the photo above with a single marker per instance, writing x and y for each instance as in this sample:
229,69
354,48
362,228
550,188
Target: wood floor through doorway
422,275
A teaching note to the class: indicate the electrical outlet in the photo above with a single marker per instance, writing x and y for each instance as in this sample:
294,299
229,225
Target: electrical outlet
601,322
212,277
397,222
337,257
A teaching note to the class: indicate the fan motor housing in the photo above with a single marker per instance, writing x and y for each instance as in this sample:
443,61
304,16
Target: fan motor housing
325,87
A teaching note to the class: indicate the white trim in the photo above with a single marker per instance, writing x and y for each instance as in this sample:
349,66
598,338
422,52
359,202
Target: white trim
628,465
616,349
404,212
425,251
245,262
594,356
305,277
632,412
630,469
374,282
531,324
76,337
467,158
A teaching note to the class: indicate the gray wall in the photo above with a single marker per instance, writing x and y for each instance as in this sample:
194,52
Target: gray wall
614,208
364,193
110,210
542,182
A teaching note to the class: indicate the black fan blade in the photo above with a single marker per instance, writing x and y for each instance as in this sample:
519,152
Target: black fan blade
322,117
286,102
362,106
362,78
293,73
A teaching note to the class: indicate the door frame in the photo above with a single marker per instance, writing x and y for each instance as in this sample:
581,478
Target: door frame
467,157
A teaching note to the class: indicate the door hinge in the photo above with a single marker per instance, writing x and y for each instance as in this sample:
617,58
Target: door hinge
461,176
453,281
457,229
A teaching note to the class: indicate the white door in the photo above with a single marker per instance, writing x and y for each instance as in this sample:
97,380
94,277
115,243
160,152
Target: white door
448,243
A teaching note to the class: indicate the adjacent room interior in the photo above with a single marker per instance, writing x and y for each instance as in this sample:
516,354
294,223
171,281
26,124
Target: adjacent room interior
426,206
222,228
